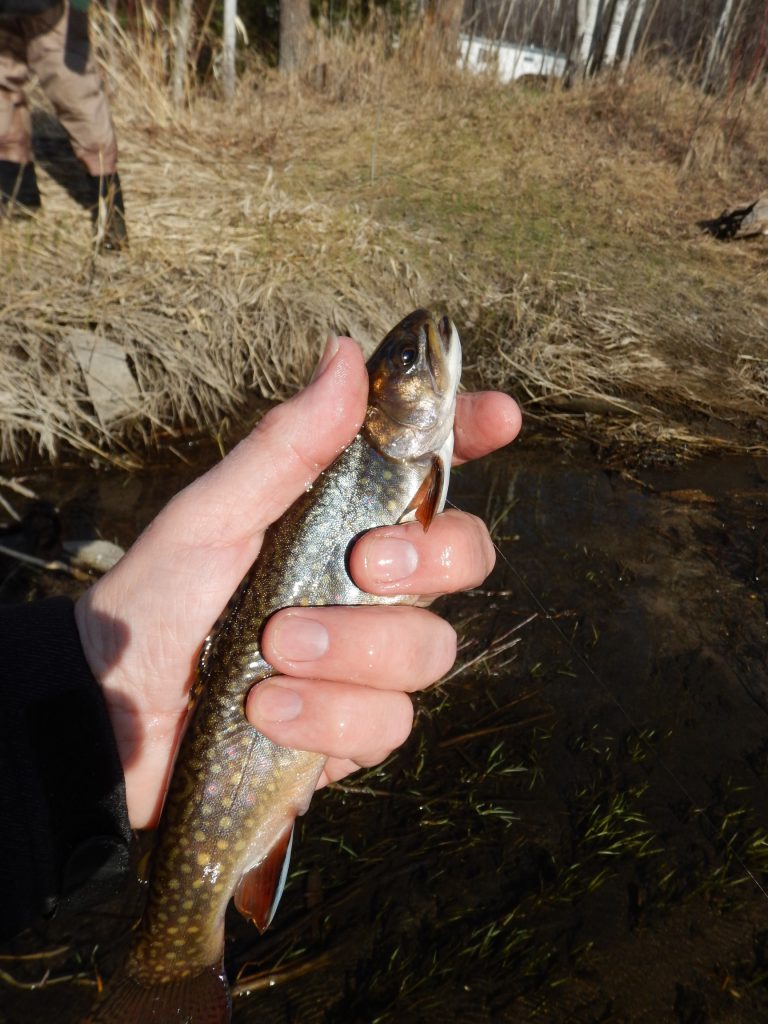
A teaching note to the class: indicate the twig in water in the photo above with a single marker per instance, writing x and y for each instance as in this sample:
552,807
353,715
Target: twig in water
489,730
14,485
10,509
499,647
43,954
46,981
268,979
40,563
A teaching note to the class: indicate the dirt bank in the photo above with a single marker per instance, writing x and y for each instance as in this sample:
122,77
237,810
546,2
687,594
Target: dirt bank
557,228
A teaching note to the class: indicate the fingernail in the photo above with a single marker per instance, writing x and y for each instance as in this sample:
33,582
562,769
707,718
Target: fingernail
331,348
390,560
296,638
273,703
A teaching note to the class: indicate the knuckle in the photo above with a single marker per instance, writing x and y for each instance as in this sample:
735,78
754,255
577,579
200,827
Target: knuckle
484,550
400,722
390,730
427,650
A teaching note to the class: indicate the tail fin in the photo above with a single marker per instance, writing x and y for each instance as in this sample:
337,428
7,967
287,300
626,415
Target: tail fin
197,999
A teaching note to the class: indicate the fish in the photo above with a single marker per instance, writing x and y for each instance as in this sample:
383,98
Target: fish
227,822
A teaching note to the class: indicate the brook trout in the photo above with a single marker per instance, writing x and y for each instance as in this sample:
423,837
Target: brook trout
228,818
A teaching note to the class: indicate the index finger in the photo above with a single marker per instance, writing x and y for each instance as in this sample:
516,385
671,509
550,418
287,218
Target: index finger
485,421
275,463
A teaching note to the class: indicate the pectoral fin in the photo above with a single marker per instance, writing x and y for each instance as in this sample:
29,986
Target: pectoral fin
426,500
259,890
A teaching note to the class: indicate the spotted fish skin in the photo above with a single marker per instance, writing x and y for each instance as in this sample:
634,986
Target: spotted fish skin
234,793
234,790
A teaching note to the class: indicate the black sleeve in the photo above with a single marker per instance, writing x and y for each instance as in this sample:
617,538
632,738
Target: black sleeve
64,831
25,8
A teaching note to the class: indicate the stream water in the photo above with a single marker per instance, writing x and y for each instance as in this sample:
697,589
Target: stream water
577,829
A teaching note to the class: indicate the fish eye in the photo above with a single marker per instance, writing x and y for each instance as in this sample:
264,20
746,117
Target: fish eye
406,357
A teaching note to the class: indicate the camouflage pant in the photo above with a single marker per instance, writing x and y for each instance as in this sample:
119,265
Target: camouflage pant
55,47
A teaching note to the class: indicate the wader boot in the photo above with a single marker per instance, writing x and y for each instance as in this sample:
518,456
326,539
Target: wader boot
108,212
18,188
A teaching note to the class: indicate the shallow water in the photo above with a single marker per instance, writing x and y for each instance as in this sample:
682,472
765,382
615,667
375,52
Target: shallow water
578,828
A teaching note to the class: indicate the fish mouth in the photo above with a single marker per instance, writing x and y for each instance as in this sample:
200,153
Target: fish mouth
443,353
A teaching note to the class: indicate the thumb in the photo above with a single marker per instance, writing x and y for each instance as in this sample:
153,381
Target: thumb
264,474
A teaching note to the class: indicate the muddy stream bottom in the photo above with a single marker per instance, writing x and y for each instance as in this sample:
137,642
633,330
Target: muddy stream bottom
577,829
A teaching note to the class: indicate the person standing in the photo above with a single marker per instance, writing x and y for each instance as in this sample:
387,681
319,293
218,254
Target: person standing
49,38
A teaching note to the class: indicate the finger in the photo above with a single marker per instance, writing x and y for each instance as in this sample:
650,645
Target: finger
337,768
395,648
279,459
485,421
455,553
336,719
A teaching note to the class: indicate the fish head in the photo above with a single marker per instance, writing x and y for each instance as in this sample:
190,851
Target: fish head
414,375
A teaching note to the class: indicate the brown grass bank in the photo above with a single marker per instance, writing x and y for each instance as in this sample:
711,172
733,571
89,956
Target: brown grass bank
557,228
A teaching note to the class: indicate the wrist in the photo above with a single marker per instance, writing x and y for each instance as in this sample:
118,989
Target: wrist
96,635
145,736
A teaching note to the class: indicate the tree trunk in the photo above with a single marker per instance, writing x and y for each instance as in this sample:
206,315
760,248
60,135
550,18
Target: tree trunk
588,13
228,51
182,30
620,9
634,28
295,21
444,18
718,40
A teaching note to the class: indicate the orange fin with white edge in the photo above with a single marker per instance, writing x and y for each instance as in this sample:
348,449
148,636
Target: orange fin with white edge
425,501
259,890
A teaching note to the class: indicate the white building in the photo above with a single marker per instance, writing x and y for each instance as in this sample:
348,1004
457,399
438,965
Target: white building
509,60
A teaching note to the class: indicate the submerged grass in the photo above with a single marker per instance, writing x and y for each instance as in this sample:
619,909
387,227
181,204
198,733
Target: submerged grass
557,228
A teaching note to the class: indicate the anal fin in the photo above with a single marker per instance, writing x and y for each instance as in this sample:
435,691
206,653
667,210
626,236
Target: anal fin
259,890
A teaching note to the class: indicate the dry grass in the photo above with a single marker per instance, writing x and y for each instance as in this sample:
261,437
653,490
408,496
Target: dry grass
558,228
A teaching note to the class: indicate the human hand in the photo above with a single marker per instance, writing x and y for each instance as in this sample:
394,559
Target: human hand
342,685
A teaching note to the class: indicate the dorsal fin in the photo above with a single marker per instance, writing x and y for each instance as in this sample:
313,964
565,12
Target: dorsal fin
425,500
259,890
